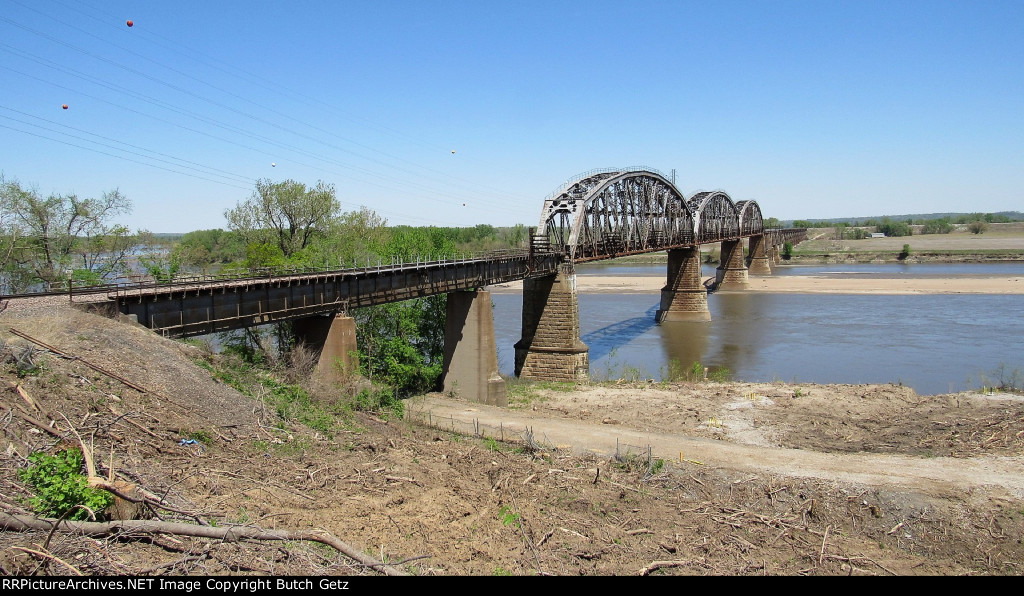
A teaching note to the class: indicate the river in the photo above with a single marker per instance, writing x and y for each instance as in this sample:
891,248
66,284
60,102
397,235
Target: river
933,343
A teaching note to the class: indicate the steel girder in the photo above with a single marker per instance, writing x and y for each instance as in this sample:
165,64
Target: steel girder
614,213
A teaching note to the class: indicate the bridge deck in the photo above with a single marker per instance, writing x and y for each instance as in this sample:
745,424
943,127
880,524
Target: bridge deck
196,308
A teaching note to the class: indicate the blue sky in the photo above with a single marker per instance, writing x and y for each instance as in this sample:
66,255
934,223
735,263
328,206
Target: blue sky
815,109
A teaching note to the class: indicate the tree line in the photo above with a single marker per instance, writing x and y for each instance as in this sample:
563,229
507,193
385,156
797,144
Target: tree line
856,230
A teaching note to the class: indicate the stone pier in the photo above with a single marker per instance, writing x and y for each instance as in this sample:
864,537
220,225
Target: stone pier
732,272
470,352
550,348
775,257
757,253
334,337
684,297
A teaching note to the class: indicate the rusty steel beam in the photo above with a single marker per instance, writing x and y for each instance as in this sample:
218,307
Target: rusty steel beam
197,309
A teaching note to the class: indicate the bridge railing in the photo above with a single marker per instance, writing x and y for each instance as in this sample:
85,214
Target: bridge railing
136,283
283,273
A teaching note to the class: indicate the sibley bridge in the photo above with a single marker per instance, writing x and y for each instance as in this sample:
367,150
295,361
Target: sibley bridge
602,214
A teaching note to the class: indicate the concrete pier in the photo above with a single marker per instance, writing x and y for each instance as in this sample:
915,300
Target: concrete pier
684,297
757,256
732,272
550,348
334,337
470,352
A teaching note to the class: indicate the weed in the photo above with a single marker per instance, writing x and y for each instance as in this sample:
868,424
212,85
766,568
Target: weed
61,486
492,444
502,572
200,435
720,374
508,517
242,517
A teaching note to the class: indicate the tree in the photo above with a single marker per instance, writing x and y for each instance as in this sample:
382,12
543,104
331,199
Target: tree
977,227
202,249
8,238
284,213
894,228
401,344
62,233
353,238
937,226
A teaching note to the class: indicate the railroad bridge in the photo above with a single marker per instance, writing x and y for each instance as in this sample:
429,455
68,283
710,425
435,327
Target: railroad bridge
602,214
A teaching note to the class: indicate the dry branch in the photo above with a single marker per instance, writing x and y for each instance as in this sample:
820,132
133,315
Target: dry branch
48,557
655,565
20,523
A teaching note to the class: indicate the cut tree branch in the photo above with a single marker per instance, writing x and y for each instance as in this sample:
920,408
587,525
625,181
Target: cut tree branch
20,523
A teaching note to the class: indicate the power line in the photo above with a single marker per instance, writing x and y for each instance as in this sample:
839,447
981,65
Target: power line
475,189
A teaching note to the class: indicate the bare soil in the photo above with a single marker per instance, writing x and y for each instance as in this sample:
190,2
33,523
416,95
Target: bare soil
742,479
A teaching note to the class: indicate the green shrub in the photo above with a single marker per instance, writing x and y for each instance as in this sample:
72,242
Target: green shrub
60,486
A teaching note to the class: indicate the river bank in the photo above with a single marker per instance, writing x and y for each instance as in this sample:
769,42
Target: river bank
809,284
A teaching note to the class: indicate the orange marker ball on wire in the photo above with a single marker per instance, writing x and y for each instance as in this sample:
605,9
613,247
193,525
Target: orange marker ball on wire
65,106
129,23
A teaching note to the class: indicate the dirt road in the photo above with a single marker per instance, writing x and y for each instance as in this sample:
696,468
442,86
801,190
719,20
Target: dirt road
565,421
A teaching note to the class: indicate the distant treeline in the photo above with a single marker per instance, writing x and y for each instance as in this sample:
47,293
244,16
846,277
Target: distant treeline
854,229
917,219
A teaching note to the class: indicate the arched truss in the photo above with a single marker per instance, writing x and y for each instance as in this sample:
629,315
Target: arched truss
751,222
616,212
716,218
608,213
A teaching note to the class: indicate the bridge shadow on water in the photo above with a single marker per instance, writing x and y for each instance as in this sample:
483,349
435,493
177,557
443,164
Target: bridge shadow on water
602,342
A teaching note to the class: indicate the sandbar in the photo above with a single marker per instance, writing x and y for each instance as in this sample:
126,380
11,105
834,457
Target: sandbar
806,284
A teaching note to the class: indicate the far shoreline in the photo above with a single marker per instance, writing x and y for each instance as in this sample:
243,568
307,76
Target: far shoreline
810,284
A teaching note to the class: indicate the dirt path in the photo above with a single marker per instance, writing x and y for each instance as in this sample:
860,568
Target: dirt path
936,476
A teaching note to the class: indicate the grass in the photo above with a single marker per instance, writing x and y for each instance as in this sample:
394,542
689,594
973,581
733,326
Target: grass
523,392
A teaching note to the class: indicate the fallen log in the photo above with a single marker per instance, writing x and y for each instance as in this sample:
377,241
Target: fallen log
21,523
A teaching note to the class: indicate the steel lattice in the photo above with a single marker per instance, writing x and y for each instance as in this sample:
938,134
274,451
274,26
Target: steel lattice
612,213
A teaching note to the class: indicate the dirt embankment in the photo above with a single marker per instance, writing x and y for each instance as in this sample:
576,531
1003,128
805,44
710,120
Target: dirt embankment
742,479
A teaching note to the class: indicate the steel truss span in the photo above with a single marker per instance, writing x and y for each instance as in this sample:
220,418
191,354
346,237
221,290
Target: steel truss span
606,214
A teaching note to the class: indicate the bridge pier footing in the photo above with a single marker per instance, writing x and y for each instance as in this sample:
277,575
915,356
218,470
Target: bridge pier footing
757,252
775,256
550,348
732,272
684,297
470,351
334,336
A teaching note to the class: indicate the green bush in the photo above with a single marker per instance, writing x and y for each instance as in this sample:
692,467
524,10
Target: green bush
787,251
60,486
937,226
894,229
